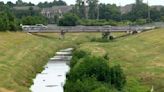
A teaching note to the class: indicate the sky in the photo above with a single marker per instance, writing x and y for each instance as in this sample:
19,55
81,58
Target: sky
118,2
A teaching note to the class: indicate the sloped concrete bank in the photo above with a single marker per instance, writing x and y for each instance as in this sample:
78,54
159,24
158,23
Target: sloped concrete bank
52,78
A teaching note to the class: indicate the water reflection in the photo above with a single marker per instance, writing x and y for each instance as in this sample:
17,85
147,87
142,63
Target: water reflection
53,77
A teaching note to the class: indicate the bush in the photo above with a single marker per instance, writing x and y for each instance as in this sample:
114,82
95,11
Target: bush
91,67
68,20
141,21
33,20
89,71
84,85
90,22
77,55
105,89
8,22
117,77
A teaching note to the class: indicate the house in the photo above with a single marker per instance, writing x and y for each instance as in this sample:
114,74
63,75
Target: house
51,12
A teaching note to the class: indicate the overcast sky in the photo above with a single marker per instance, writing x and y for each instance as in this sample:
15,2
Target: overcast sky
118,2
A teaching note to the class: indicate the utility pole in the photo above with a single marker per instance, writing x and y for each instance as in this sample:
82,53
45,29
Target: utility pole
148,11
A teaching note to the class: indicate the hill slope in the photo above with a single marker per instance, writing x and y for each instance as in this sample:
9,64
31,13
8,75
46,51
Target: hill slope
141,56
22,55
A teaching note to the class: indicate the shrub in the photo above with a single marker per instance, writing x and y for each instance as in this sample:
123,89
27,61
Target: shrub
77,55
8,22
89,71
105,89
68,20
117,77
106,56
141,21
89,67
92,22
32,20
84,85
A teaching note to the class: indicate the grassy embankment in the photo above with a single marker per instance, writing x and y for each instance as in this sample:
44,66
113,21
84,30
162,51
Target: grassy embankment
23,55
141,56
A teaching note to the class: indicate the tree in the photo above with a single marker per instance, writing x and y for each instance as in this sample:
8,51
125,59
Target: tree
68,20
138,2
108,11
51,4
60,3
10,4
139,11
155,14
93,9
3,22
31,11
8,22
33,20
80,9
19,3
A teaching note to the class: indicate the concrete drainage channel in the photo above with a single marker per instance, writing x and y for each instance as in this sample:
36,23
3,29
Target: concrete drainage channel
53,77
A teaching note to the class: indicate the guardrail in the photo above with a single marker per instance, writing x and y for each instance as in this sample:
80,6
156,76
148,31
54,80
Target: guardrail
88,29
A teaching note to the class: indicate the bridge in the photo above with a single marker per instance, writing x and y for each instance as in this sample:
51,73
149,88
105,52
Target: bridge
76,29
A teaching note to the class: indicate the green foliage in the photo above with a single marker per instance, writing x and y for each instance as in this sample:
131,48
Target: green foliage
99,40
22,3
93,74
24,13
141,21
80,9
106,56
89,22
139,11
84,85
68,20
77,55
8,22
133,85
32,20
93,9
51,4
90,67
162,18
109,12
4,22
105,89
117,77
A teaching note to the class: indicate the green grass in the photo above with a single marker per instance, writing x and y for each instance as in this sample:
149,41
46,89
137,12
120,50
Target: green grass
22,56
141,56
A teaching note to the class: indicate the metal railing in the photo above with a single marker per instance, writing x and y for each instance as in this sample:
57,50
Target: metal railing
86,29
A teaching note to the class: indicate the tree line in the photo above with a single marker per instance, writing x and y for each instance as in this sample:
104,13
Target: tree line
139,12
40,4
10,19
89,13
